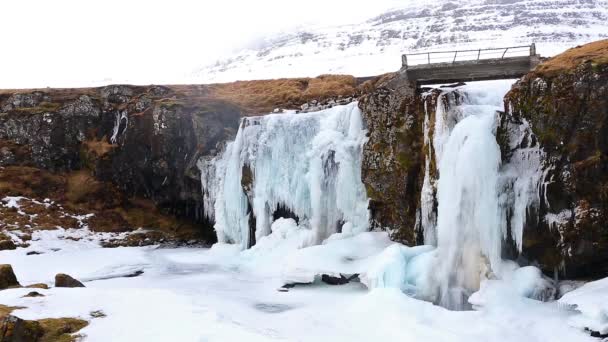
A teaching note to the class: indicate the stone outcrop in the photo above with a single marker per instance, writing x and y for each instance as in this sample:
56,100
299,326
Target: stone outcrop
145,141
565,103
392,157
7,277
64,280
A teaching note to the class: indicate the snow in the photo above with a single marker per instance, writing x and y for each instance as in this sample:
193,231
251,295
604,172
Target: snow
374,46
225,294
591,300
338,255
309,163
198,294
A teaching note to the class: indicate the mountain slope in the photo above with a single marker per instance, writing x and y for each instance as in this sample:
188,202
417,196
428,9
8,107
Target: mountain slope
374,46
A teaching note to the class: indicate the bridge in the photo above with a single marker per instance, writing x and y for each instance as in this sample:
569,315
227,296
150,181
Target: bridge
470,65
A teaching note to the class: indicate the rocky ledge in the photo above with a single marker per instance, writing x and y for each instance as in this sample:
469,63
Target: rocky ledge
123,157
565,103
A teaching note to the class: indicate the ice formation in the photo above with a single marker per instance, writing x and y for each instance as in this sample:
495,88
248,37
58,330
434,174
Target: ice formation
474,193
591,301
307,163
120,117
310,165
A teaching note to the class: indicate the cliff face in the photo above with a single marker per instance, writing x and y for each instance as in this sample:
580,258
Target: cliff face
128,153
563,107
553,138
142,141
392,157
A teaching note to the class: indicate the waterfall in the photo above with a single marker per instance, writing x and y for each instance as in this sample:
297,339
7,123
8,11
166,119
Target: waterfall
470,218
308,163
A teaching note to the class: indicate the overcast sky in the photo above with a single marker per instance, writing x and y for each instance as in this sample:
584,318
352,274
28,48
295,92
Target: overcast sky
81,42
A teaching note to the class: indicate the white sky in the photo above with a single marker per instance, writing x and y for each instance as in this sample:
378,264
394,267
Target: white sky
64,43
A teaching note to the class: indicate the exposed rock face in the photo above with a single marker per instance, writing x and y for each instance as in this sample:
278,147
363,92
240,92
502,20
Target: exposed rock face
128,153
392,157
565,102
64,280
145,140
555,125
7,277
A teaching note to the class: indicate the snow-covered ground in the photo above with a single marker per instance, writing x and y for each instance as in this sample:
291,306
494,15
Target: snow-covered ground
224,294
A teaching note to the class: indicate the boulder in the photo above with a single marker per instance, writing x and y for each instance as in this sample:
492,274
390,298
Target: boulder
7,277
64,280
38,286
7,245
34,294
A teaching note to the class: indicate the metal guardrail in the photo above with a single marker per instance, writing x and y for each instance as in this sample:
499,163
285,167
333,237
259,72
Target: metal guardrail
426,58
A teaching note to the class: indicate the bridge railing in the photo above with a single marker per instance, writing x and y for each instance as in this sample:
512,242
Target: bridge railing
423,58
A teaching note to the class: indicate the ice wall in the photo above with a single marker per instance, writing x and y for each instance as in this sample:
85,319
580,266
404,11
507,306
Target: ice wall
309,163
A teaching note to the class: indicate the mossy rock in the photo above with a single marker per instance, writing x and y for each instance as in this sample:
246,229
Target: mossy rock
7,277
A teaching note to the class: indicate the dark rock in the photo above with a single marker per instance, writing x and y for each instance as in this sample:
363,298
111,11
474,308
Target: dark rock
145,140
7,245
98,314
7,277
342,280
64,280
34,294
38,286
15,329
597,334
567,112
392,158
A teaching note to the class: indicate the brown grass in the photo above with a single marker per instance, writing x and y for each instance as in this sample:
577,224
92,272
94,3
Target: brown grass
61,329
262,96
254,97
99,147
30,182
80,185
6,310
595,53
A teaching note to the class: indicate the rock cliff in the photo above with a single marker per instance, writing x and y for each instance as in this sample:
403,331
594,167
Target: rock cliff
128,154
565,104
553,143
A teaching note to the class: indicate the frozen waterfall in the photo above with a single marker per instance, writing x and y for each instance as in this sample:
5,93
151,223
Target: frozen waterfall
308,163
469,222
474,194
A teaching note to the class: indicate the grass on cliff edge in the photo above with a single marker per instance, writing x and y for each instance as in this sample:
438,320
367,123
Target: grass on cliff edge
596,53
256,97
253,97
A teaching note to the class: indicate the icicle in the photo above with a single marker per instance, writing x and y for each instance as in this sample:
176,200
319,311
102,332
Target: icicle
117,123
428,218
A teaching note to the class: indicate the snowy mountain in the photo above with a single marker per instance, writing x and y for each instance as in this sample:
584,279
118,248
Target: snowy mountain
375,45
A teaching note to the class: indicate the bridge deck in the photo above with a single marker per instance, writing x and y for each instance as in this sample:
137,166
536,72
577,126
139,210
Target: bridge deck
471,70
